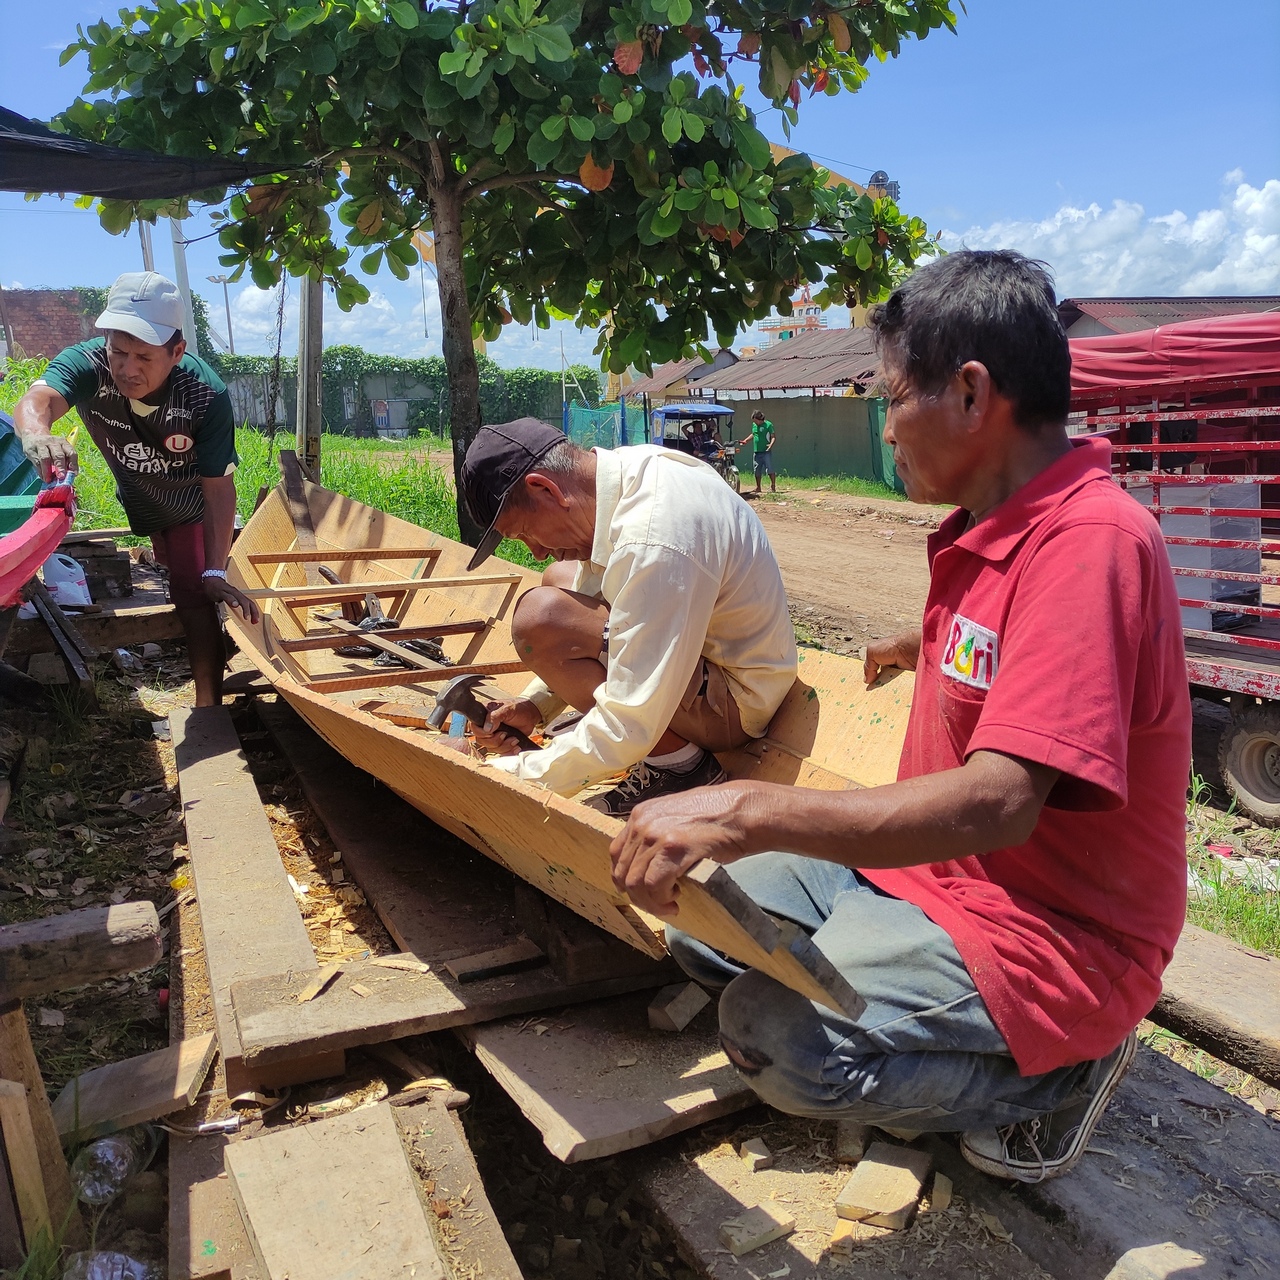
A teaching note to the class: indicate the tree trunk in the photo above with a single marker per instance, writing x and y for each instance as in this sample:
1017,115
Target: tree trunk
459,350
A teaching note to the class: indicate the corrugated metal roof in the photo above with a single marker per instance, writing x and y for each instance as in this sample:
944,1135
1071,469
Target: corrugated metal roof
1132,315
667,375
823,358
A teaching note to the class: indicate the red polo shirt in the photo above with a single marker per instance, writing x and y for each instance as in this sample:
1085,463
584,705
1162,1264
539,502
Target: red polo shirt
1052,633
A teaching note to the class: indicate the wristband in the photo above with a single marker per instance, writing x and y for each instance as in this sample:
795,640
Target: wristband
215,573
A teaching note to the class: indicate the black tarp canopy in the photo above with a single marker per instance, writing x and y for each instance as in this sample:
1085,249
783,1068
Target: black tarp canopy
34,158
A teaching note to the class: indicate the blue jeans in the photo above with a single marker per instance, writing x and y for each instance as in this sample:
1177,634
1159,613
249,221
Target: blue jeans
925,1053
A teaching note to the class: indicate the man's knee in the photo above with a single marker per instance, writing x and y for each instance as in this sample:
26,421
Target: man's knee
538,622
763,1024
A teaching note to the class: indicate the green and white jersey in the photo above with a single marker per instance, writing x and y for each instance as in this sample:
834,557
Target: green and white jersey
157,452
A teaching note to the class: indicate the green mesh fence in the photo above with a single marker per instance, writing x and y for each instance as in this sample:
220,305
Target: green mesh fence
603,428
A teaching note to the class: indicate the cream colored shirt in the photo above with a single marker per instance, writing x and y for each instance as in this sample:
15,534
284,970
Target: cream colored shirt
688,572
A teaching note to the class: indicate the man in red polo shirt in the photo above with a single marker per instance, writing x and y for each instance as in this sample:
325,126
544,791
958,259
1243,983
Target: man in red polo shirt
1007,907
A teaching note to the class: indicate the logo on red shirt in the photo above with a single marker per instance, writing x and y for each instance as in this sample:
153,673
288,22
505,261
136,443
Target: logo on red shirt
972,653
179,442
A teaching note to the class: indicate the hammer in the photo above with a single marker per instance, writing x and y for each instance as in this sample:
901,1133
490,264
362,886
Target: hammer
459,695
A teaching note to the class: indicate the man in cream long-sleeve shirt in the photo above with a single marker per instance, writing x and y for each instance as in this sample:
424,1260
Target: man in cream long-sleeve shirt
665,623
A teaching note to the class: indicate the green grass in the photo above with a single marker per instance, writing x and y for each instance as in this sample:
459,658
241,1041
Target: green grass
852,486
1227,905
393,475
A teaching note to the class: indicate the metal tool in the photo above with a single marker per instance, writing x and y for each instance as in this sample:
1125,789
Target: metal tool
459,695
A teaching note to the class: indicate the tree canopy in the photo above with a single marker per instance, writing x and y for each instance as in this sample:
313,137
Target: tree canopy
593,159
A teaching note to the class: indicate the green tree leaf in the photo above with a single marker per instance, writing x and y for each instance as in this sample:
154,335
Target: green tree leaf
403,14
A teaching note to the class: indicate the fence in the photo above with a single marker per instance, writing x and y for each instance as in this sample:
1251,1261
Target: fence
603,428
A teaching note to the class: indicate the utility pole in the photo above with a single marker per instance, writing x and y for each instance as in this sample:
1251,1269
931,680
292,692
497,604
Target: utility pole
226,302
184,285
144,240
310,354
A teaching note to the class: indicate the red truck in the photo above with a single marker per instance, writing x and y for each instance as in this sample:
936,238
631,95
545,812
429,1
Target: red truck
1193,413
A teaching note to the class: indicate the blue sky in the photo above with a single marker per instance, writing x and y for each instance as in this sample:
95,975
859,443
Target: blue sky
1136,147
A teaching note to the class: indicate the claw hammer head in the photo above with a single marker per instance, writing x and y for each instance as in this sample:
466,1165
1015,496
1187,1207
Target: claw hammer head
458,695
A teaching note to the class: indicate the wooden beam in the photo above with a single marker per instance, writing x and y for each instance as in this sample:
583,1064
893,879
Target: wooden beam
248,912
77,947
327,594
24,1162
133,1091
354,635
54,616
573,1086
1225,998
18,1063
333,1200
378,680
67,648
342,555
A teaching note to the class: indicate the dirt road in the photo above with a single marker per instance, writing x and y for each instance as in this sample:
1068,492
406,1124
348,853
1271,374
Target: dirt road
855,568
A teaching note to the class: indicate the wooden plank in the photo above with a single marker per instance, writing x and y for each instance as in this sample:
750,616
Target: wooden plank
248,912
380,680
77,947
55,617
11,1249
272,1026
1226,999
333,1200
207,1239
344,555
339,639
434,1138
387,642
133,1091
93,535
18,1063
516,956
23,1161
329,594
70,654
599,1080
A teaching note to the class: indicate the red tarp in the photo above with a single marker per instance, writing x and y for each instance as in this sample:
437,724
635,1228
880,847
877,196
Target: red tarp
1223,349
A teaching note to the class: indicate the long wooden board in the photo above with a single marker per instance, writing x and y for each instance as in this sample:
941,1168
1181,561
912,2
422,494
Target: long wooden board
598,1080
248,913
23,1161
133,1091
272,1026
326,594
1224,998
434,1137
333,1200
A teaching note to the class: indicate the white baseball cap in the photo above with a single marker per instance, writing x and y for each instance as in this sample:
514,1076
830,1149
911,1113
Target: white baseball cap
145,305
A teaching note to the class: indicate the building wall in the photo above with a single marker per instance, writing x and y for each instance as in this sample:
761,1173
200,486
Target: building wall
819,436
44,322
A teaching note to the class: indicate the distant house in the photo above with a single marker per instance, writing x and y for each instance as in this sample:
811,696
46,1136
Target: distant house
678,379
1098,317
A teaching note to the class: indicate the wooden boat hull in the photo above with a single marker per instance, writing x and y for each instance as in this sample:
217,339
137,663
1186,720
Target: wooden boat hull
830,733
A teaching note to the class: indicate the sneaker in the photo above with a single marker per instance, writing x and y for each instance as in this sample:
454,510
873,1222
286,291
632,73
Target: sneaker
1052,1144
645,781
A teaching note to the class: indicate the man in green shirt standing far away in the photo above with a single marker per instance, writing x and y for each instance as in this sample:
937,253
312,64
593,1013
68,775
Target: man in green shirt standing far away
163,421
762,434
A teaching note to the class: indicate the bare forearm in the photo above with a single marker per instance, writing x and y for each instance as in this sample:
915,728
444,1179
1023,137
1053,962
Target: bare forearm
219,519
991,803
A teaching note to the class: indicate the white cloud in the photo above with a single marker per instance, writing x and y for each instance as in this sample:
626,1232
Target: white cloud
1096,252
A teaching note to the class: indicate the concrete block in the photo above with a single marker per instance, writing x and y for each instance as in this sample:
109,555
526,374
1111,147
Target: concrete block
48,668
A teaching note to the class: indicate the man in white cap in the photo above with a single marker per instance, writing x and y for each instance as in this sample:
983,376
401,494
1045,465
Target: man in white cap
163,421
